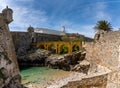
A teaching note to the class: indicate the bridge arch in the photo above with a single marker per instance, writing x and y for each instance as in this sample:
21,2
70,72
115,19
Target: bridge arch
75,47
41,46
58,47
52,48
63,49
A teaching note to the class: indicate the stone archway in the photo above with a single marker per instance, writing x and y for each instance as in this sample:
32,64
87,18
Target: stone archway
52,48
59,46
75,48
64,49
41,46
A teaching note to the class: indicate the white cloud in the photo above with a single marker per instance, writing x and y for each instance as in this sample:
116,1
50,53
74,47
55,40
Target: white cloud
3,4
24,16
71,27
100,12
25,0
86,30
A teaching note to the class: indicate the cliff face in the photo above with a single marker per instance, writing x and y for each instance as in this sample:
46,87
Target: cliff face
9,71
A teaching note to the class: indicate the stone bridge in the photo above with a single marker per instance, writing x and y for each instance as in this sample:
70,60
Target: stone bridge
57,46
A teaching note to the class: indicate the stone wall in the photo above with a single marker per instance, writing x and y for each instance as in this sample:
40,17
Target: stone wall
9,71
22,40
91,82
47,37
106,80
105,51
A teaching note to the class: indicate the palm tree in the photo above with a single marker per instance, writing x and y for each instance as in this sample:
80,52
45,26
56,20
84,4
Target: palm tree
103,25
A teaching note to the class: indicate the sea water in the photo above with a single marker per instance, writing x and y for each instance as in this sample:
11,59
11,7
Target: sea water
41,75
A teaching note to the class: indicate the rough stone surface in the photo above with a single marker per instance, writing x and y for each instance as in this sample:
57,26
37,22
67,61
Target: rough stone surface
105,51
14,82
37,58
8,62
68,61
80,80
40,57
92,82
22,40
82,66
101,80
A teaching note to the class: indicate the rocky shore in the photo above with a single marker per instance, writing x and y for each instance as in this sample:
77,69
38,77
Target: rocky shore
36,58
69,62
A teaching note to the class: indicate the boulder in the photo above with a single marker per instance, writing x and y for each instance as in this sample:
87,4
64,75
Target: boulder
83,67
65,62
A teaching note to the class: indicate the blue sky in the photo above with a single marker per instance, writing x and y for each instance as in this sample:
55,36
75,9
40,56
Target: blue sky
78,16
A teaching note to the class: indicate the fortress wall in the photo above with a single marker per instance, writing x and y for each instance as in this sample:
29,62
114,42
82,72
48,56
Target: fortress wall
9,71
22,40
105,51
47,37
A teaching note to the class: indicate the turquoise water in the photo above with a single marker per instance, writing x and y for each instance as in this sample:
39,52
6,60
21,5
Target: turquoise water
41,75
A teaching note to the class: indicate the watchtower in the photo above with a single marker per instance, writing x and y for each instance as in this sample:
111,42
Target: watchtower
30,29
31,32
7,15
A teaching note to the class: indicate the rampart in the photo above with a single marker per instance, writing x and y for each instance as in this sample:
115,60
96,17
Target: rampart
24,39
9,71
105,51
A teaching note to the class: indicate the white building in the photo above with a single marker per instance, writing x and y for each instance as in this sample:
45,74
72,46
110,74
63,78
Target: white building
49,31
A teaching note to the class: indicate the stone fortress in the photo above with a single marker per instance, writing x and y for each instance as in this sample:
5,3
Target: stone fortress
33,35
105,52
103,55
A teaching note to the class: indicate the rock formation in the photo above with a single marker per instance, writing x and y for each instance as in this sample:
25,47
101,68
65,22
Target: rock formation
36,58
74,61
9,71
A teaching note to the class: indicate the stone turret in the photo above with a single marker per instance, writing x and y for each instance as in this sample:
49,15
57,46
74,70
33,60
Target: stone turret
63,29
8,15
32,34
30,29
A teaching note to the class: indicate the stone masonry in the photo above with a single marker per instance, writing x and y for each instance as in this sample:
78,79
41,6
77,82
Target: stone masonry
105,51
9,71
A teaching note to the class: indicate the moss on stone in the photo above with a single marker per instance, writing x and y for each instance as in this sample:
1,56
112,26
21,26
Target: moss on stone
6,57
2,75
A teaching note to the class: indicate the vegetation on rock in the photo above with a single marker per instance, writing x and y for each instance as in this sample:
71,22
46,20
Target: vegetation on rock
2,75
64,49
67,39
